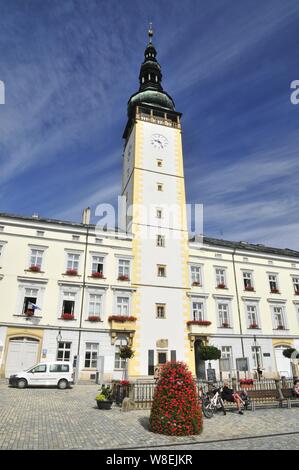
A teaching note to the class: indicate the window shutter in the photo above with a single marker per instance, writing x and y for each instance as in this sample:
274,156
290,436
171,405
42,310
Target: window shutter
173,355
151,369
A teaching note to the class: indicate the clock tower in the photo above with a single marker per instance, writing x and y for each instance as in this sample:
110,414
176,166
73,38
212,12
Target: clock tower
154,189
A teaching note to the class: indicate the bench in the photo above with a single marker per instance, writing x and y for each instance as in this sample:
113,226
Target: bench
289,395
264,398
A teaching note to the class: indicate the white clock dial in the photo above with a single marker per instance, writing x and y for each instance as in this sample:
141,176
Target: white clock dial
159,141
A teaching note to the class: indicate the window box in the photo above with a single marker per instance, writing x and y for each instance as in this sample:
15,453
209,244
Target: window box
71,272
296,292
221,286
246,383
253,326
275,291
225,325
34,268
280,327
249,288
29,313
68,316
123,277
196,283
121,318
199,322
94,318
98,275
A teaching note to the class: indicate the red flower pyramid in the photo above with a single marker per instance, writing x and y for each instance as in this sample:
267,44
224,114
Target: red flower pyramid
176,410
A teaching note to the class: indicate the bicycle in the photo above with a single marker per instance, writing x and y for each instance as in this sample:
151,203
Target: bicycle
212,404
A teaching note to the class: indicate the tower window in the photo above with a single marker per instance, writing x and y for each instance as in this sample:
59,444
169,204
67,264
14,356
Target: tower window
161,270
159,214
159,163
160,240
160,310
159,186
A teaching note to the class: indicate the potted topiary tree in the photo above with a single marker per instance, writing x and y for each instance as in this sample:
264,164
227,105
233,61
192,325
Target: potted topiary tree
104,398
209,353
126,352
176,410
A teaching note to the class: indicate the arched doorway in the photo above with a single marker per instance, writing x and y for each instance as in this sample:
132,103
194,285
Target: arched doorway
283,364
22,354
200,367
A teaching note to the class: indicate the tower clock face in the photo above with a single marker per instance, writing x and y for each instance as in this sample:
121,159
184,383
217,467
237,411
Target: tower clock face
159,141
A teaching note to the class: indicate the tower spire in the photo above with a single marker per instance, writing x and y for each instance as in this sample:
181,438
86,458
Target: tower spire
150,32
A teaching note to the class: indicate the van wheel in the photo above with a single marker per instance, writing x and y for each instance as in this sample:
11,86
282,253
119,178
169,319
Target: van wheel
22,383
62,384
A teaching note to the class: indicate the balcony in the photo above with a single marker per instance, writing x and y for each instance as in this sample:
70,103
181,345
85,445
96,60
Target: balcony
122,322
198,326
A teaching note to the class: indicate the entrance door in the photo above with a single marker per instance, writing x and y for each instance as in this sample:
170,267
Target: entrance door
283,364
200,367
22,354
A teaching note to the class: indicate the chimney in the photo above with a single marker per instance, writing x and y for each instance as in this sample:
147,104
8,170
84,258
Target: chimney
86,216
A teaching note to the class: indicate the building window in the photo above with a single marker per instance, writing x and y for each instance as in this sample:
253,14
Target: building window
68,303
160,240
220,277
75,238
1,249
226,351
196,275
160,310
119,363
1,228
124,268
91,355
64,351
73,261
159,163
161,270
40,233
159,213
99,241
295,283
247,280
252,316
256,356
122,305
197,311
278,318
36,257
273,283
159,186
30,300
97,264
162,357
223,315
95,305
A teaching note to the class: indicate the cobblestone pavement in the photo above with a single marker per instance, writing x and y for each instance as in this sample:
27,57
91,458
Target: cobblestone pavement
37,418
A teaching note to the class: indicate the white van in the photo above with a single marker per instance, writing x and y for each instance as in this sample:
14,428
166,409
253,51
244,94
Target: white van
59,374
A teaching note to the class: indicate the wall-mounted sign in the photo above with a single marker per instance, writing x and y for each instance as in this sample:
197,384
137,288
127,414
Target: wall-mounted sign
242,364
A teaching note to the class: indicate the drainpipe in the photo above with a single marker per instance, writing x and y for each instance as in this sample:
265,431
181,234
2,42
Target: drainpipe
86,221
238,303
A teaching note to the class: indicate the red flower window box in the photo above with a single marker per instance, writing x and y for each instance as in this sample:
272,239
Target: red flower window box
274,291
34,268
225,325
280,327
124,382
253,325
68,316
199,322
296,292
94,318
221,286
98,275
249,288
121,318
123,277
196,283
71,272
29,313
246,382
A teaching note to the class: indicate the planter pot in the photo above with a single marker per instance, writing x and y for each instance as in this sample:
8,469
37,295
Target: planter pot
104,404
247,386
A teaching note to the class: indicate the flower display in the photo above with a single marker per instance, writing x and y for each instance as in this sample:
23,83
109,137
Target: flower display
246,381
274,291
176,410
29,313
221,286
199,322
196,283
96,274
249,288
34,268
123,277
253,325
225,325
94,318
121,318
71,272
67,316
124,382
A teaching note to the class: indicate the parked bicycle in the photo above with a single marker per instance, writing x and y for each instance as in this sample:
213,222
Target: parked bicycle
212,402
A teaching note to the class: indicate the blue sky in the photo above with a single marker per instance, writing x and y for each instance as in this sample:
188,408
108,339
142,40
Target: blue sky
70,66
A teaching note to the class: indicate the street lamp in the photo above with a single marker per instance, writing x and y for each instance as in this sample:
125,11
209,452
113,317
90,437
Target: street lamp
59,336
258,369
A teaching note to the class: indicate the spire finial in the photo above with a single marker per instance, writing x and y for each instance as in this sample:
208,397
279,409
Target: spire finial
150,31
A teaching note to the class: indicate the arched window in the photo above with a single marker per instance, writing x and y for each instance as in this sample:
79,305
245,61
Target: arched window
119,363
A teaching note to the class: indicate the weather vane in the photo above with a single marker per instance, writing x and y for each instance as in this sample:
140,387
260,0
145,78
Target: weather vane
150,31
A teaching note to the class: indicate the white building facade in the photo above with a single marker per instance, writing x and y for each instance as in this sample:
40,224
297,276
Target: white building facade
69,291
